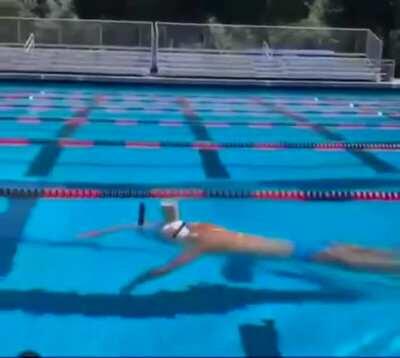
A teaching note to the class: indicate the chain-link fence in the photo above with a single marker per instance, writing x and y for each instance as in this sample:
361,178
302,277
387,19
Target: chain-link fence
206,49
243,38
269,51
77,33
72,46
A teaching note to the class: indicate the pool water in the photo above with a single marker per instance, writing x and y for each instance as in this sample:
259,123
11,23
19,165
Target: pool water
60,295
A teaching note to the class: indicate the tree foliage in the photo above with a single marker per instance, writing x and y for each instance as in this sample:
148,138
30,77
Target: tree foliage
47,8
382,16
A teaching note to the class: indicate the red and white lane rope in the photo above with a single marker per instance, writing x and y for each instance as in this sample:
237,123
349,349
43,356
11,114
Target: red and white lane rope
198,193
33,120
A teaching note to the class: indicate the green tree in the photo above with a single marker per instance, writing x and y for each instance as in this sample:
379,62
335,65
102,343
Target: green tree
47,8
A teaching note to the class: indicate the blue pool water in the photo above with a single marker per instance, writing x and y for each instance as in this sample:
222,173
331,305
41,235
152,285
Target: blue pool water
60,295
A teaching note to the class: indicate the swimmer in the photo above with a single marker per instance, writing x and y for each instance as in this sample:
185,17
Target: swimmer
199,239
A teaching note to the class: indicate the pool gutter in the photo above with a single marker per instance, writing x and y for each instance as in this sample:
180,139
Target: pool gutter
395,84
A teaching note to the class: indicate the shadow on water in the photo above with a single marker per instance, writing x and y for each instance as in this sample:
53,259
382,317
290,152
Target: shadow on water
311,277
239,268
196,300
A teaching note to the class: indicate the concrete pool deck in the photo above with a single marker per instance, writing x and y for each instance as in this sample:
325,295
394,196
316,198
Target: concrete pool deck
395,84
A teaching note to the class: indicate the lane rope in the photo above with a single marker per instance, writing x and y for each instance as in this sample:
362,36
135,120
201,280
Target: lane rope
197,193
33,120
149,109
350,102
201,145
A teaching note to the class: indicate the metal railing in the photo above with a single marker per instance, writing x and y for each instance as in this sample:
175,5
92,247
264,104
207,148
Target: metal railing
75,46
269,52
373,47
251,39
77,33
387,70
30,43
214,49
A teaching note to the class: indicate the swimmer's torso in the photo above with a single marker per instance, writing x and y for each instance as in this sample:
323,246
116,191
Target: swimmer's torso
215,239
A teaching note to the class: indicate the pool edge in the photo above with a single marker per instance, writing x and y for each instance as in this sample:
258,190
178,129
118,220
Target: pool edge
158,80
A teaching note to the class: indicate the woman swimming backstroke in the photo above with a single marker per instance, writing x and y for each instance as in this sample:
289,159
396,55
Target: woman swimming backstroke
199,239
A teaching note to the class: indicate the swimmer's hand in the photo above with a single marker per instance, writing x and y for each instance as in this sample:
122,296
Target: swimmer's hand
128,288
90,235
147,276
183,259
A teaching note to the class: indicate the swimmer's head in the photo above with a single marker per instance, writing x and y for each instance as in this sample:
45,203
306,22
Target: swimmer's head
176,230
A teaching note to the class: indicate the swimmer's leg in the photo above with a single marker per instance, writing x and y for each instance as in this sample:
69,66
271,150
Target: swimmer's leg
359,258
183,259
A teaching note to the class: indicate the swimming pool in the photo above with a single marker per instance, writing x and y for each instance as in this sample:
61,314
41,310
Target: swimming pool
60,295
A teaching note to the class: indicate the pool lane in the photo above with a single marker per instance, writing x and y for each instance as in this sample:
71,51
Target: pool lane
86,295
156,115
65,287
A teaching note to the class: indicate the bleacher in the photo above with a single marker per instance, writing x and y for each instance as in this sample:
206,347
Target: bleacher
263,67
70,46
206,51
76,61
270,53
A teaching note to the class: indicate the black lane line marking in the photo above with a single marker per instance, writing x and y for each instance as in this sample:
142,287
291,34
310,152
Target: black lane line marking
368,159
235,269
211,161
12,224
196,300
47,158
260,340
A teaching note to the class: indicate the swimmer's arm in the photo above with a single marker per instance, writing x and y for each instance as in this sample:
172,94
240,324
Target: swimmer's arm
107,231
185,258
170,211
